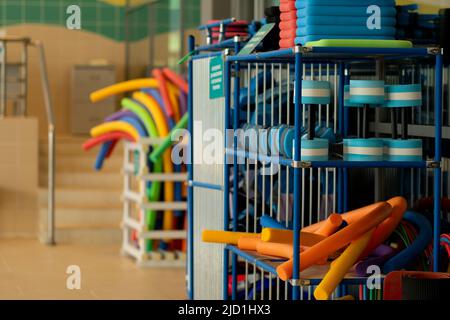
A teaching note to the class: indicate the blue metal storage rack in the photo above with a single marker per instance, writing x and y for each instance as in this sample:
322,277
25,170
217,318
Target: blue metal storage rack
297,57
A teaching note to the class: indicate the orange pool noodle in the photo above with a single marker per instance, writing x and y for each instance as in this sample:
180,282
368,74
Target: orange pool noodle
248,243
227,237
349,217
340,239
341,266
331,225
282,250
287,236
385,229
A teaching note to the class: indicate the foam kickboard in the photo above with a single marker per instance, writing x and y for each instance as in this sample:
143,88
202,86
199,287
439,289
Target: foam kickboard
341,20
287,43
360,43
342,11
287,6
288,25
306,39
349,3
287,34
290,15
345,31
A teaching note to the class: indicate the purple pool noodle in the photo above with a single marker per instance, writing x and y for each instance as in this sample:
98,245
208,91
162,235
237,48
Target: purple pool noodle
183,103
382,250
118,115
361,267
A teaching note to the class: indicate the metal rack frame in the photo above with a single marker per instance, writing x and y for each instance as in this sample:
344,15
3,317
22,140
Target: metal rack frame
298,56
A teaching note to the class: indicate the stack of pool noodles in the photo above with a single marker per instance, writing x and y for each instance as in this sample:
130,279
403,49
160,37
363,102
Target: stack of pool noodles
237,28
288,24
157,107
340,19
340,241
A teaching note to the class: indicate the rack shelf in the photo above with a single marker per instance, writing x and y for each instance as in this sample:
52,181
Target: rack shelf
329,164
310,277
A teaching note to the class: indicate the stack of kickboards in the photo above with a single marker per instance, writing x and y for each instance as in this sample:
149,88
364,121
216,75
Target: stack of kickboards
336,19
237,28
288,24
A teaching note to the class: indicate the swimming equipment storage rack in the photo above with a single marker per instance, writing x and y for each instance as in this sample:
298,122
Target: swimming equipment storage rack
298,57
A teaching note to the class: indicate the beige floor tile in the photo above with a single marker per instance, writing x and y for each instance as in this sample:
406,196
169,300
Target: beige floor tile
30,270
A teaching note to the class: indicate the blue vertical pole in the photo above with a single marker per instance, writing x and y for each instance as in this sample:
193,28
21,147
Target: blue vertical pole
438,158
237,81
345,119
226,175
191,44
297,171
341,191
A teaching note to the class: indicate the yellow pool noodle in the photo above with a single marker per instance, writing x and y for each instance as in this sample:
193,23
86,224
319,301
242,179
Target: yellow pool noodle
226,237
122,87
108,127
163,129
341,266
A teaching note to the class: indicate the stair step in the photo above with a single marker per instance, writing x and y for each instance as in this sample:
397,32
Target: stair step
111,236
83,218
93,179
81,163
83,198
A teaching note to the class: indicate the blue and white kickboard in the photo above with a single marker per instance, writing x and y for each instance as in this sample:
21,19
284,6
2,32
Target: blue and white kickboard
348,3
348,30
363,149
409,95
316,92
342,21
403,150
367,92
315,150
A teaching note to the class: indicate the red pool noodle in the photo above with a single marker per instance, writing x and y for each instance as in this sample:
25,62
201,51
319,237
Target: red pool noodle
176,79
91,143
159,76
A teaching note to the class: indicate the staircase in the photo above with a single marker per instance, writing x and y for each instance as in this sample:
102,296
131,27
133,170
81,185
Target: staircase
88,209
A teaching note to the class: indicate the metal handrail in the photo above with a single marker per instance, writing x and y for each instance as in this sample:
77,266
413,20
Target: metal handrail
50,119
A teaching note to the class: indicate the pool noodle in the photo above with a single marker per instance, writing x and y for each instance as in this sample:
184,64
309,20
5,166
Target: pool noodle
176,80
373,216
341,266
123,87
164,92
406,256
331,225
287,236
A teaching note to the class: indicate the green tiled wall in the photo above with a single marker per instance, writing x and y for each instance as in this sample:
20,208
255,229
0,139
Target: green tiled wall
98,16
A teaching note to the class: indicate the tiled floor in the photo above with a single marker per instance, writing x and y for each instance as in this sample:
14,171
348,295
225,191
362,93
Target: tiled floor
30,270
